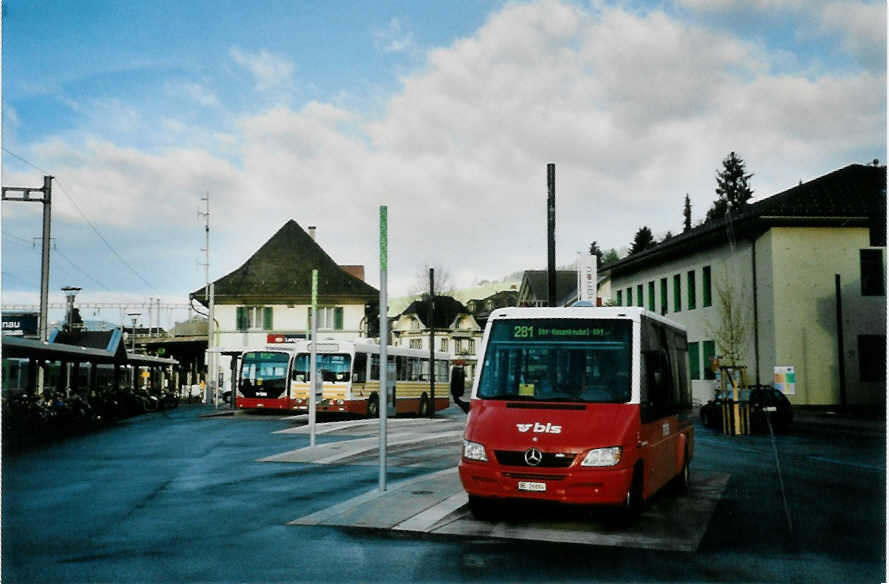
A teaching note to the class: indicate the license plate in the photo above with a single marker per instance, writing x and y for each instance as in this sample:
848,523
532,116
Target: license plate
532,486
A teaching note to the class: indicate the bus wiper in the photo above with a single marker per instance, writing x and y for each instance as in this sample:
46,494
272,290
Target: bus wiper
509,396
566,399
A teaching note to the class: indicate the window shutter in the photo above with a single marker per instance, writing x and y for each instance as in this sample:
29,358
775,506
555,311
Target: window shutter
309,320
241,318
267,318
338,318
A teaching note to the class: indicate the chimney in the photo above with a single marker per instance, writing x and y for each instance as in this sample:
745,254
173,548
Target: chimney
312,231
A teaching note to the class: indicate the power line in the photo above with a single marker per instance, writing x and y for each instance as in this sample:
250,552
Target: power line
17,279
81,270
85,218
18,239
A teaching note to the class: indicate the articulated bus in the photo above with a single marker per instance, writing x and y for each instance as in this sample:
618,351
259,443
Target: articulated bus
582,405
278,377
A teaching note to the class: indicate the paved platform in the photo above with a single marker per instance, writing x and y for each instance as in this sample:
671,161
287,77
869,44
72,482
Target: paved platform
435,504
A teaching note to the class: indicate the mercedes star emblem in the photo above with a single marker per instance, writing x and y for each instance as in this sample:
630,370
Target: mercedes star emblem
533,457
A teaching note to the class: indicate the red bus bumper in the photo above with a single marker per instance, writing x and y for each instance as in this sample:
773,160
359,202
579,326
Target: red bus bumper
593,486
248,403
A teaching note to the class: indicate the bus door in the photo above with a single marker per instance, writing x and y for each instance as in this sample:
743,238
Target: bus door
660,401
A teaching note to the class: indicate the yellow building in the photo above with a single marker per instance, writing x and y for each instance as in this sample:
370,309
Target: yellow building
803,270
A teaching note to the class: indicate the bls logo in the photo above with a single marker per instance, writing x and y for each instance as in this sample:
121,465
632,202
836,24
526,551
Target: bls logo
540,428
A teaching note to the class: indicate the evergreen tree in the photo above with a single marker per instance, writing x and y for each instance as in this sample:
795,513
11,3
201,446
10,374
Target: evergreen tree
594,250
732,188
686,215
611,256
643,240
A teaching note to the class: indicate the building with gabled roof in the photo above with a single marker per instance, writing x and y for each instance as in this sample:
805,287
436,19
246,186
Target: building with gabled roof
804,268
456,330
270,295
534,288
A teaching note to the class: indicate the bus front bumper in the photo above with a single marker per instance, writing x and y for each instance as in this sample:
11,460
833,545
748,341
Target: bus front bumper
593,486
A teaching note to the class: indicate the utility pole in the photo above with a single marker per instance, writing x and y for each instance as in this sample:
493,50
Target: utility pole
551,234
46,198
206,248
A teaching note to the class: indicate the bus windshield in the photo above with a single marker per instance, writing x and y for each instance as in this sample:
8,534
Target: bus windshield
583,360
332,366
263,374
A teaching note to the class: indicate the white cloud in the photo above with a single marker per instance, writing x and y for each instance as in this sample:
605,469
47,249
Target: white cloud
196,92
270,72
860,27
636,109
394,39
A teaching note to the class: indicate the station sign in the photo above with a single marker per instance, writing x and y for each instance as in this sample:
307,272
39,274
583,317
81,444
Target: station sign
20,324
274,339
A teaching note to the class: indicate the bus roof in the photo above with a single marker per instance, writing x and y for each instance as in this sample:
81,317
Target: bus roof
633,313
360,345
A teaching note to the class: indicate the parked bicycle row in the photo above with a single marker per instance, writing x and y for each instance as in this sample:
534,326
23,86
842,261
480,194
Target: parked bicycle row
29,418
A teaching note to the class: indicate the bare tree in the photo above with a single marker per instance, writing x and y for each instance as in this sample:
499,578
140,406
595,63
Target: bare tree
444,284
733,329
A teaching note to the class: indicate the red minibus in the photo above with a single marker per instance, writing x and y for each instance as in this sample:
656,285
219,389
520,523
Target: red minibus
585,405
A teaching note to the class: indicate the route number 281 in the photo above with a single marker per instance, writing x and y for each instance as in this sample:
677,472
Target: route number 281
522,332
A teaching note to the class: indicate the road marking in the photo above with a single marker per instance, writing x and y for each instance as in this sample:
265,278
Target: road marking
333,452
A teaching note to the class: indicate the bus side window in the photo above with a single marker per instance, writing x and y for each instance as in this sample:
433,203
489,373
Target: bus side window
375,367
657,395
359,368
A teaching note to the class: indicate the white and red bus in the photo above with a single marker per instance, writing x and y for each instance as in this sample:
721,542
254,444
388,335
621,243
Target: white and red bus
581,405
278,377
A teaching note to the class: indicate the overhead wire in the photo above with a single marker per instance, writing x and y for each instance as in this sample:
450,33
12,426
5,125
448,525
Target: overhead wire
83,215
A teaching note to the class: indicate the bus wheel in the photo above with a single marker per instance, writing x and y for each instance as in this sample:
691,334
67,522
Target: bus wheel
373,407
633,502
423,410
483,509
682,477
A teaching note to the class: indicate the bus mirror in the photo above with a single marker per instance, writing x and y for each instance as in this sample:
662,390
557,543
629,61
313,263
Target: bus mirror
458,387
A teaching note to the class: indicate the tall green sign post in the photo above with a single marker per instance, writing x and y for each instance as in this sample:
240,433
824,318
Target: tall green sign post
384,340
313,372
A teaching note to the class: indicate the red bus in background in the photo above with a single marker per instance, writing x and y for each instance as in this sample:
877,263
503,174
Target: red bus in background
582,405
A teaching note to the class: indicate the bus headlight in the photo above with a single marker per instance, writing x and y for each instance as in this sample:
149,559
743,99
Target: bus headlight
602,456
474,451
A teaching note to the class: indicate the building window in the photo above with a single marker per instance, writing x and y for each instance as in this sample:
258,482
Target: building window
872,276
708,297
639,295
254,318
677,293
663,296
465,346
872,357
691,290
694,361
630,296
444,345
709,348
416,343
329,318
620,297
651,296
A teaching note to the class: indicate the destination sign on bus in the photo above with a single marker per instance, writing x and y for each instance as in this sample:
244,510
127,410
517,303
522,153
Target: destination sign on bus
545,331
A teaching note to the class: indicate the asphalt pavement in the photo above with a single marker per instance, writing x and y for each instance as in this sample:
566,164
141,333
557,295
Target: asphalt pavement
179,496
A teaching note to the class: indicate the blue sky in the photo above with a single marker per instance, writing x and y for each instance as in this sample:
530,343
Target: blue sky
447,112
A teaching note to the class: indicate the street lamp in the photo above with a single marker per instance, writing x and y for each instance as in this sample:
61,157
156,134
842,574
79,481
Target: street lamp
134,316
70,293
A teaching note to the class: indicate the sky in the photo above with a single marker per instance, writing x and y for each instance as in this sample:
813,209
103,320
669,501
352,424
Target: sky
445,112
